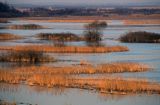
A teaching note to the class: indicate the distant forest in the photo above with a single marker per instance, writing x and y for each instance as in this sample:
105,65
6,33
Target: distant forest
9,11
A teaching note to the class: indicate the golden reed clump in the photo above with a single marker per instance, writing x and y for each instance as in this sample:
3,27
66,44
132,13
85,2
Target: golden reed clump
29,56
116,67
102,85
66,49
7,36
57,77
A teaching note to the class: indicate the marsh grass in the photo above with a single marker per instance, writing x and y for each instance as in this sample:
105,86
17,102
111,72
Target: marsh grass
87,69
60,36
140,37
102,85
56,77
7,103
7,36
3,20
66,49
26,27
25,56
117,85
122,67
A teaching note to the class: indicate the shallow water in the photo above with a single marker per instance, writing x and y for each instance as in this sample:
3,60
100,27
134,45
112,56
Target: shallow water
142,53
42,96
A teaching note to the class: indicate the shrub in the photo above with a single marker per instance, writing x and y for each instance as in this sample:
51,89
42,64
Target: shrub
26,26
141,37
93,32
25,56
59,36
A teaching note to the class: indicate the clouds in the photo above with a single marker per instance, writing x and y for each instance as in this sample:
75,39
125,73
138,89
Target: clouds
80,1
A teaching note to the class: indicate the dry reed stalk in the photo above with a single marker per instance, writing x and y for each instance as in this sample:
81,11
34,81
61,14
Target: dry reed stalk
118,85
26,26
66,49
7,36
103,85
116,67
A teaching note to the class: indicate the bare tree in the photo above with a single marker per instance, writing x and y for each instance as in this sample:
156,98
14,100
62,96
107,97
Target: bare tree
93,32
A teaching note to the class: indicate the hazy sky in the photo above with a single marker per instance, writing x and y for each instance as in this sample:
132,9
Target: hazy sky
95,2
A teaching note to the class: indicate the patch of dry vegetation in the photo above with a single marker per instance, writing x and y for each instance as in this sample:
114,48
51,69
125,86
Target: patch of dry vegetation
25,56
3,20
7,103
116,85
7,36
142,22
141,37
60,36
87,69
103,85
56,77
66,49
122,67
26,27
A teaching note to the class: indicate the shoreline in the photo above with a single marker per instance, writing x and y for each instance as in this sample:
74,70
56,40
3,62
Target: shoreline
87,19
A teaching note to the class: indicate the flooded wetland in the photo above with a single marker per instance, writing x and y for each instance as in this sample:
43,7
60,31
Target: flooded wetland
39,66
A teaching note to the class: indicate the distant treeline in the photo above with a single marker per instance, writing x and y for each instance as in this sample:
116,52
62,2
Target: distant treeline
9,11
89,12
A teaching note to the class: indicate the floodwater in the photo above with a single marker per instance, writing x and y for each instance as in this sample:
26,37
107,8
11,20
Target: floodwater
142,53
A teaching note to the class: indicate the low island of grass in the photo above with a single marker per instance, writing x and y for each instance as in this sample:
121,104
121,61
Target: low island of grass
25,56
140,37
48,78
7,36
59,37
4,21
66,49
26,27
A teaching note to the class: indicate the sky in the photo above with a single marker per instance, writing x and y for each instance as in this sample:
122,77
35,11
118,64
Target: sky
90,2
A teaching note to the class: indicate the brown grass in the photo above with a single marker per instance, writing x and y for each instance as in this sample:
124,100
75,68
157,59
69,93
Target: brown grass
116,85
26,26
89,19
7,36
122,67
86,69
3,20
25,56
7,103
142,22
66,49
102,85
60,36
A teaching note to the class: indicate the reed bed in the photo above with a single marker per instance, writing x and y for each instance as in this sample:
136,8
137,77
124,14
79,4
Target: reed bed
7,103
102,85
67,49
7,36
122,67
142,22
87,69
60,36
3,20
116,85
26,27
25,56
141,37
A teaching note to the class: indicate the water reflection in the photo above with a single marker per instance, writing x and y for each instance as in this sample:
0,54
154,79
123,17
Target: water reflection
62,96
